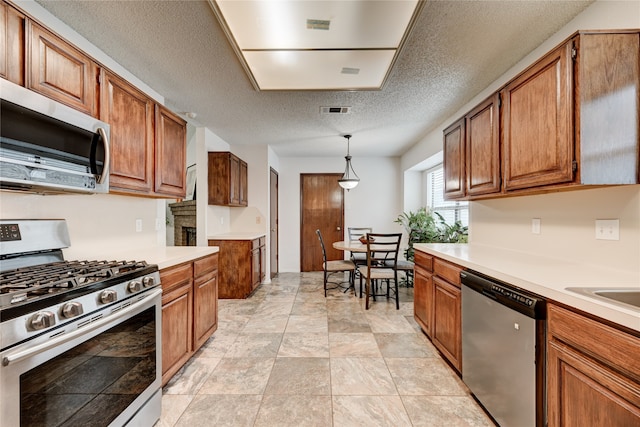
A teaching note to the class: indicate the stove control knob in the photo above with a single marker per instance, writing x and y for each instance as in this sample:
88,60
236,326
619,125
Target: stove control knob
108,296
148,282
41,320
72,309
135,286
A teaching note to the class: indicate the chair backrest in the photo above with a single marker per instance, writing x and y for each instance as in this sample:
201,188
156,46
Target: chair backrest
383,249
324,252
356,232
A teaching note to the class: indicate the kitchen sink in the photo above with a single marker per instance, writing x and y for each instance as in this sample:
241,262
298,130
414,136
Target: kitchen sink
625,297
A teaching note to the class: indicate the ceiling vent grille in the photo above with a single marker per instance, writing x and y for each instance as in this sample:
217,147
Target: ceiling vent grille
335,110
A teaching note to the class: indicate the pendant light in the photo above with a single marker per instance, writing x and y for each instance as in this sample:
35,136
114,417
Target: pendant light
349,180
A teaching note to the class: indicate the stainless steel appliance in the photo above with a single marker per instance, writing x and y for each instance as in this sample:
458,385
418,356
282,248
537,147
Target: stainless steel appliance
503,349
80,341
48,147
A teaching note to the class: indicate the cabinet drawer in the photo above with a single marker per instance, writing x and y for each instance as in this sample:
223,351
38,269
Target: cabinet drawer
614,348
174,276
423,260
449,272
204,265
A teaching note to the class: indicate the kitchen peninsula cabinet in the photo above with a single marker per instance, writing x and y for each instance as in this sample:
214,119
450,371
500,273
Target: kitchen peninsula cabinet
11,44
148,142
189,310
56,69
593,372
438,305
570,119
242,264
227,181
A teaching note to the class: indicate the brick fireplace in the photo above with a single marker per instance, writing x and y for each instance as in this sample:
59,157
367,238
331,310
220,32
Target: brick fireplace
184,220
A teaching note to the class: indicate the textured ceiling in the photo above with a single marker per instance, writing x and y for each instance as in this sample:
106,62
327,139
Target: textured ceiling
456,49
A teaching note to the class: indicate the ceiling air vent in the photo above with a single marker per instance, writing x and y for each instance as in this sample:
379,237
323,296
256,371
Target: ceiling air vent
349,70
335,110
318,24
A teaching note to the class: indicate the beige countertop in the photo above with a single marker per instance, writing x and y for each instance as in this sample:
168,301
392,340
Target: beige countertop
163,256
236,236
547,277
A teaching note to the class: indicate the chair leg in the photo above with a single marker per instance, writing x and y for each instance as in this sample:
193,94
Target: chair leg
397,296
360,285
367,287
325,283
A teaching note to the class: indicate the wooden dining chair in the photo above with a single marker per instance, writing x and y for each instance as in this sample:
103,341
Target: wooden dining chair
382,258
337,266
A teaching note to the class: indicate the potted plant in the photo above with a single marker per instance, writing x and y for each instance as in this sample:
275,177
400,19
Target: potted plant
427,226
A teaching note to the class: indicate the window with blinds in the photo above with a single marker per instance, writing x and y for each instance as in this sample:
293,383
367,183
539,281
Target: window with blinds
451,211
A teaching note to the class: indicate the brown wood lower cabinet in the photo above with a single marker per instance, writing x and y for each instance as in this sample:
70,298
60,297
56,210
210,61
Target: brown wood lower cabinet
593,372
242,266
437,305
189,310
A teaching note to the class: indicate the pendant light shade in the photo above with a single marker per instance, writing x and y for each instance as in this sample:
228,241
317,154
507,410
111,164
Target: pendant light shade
349,180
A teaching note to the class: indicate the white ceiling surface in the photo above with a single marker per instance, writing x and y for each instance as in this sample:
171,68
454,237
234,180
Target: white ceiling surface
282,52
456,49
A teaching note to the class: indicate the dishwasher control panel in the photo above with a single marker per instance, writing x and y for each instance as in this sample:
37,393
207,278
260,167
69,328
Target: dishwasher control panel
512,295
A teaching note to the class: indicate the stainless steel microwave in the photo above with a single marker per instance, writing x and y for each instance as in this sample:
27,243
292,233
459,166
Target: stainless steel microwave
47,147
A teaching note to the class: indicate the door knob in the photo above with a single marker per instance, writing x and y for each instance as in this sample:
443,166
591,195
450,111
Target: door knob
338,228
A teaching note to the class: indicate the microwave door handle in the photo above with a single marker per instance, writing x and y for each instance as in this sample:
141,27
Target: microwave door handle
107,155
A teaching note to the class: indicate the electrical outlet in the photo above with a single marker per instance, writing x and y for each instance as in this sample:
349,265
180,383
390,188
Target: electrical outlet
607,229
138,225
257,220
535,225
221,220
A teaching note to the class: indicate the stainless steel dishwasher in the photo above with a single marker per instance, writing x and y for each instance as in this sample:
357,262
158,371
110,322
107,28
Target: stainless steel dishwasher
503,331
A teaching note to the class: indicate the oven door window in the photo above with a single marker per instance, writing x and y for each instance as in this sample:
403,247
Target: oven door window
92,383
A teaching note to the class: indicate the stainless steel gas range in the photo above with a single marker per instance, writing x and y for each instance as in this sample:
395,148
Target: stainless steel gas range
80,341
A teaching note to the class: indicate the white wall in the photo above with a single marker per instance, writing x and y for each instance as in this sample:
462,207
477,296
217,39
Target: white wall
375,202
567,225
106,220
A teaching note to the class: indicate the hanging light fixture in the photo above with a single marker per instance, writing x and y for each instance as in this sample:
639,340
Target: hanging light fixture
349,180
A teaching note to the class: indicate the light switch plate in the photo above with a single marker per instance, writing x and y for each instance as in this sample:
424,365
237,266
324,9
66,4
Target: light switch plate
138,225
535,225
607,229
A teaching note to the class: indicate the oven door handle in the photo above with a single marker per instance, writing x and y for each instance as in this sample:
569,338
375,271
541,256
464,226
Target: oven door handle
40,348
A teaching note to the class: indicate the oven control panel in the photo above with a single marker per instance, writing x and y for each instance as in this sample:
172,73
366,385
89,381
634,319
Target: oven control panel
9,232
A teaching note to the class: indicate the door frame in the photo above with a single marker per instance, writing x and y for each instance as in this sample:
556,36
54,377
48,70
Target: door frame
273,223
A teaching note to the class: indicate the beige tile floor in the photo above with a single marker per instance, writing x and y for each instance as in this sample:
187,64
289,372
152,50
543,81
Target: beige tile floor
288,356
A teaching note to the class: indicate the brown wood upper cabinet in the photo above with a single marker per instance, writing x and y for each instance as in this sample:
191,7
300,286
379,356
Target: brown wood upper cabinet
227,179
148,142
56,69
570,119
11,44
170,149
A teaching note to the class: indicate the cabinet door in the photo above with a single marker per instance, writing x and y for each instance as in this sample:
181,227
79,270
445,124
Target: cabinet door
537,123
255,268
483,148
170,149
234,180
11,44
243,184
130,114
58,70
218,178
423,299
447,327
454,172
177,318
205,308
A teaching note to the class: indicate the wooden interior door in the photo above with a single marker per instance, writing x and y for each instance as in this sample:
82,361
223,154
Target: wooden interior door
321,207
273,222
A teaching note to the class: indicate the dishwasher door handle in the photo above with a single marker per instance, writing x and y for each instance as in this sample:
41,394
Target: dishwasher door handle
489,294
